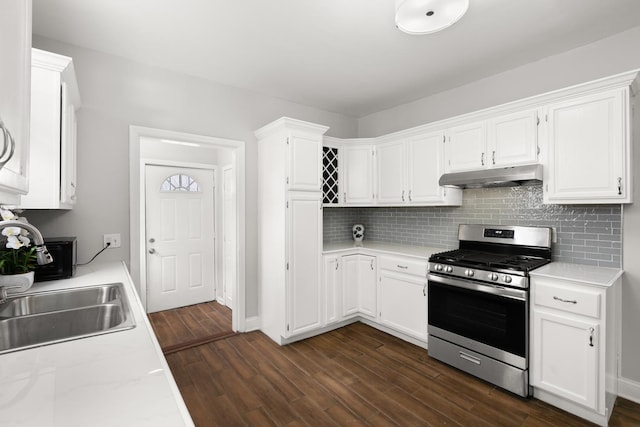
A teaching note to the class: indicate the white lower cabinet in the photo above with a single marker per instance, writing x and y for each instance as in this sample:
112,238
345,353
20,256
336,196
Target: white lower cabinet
359,285
403,303
332,284
567,362
575,345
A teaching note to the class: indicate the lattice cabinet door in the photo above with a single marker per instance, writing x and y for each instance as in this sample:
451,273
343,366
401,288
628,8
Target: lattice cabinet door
330,175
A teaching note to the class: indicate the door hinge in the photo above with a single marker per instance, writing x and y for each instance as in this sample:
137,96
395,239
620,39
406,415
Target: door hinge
287,144
444,139
287,265
287,203
287,180
287,327
537,120
538,149
546,118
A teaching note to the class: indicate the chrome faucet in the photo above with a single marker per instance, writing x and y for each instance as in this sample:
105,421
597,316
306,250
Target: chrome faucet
42,254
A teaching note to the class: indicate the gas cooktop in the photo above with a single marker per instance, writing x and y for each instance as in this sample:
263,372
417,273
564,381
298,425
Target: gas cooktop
488,260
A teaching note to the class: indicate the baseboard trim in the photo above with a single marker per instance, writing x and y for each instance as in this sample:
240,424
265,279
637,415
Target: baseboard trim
629,389
251,324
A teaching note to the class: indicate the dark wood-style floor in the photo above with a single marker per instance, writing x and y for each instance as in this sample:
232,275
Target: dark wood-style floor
355,375
187,327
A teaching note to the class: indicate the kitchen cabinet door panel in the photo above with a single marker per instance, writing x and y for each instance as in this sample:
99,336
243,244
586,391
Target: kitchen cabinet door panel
333,289
304,262
358,175
305,162
403,304
512,139
367,290
350,284
588,142
566,363
425,166
467,147
391,173
15,101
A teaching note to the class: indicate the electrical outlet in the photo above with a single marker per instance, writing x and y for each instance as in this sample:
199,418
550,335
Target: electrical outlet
113,239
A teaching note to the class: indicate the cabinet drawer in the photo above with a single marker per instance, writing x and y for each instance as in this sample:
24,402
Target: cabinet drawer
404,265
570,299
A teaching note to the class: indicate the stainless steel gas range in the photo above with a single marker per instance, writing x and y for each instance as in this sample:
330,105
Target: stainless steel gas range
479,302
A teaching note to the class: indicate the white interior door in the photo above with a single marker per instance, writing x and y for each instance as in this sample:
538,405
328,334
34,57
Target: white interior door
179,236
229,235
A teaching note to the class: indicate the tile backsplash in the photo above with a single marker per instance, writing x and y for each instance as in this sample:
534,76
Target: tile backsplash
585,234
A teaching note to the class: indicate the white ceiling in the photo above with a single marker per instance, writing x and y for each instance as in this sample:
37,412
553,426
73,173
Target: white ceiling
344,56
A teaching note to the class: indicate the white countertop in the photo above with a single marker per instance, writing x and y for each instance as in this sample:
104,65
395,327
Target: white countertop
588,274
393,249
115,379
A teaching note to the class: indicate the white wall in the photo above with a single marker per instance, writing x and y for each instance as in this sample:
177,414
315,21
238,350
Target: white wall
606,57
117,93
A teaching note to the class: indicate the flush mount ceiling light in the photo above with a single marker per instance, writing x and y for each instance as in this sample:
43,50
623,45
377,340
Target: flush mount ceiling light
428,16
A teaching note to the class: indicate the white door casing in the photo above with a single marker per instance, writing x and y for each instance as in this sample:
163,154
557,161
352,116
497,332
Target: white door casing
228,235
180,238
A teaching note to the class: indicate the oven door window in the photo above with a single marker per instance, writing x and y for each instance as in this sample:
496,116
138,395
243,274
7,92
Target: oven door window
497,321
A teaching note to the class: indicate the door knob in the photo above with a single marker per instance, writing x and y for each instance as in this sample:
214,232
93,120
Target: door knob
151,240
152,251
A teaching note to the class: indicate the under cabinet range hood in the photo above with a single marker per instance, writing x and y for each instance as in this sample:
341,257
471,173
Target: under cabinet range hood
497,177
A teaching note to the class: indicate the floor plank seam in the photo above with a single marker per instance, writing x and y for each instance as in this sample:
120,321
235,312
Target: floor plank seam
197,342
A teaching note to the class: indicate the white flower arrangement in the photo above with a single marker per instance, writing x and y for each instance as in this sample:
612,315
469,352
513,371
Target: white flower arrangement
21,257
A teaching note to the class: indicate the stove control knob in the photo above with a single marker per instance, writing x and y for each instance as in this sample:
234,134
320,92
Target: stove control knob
448,269
469,273
507,279
493,276
438,267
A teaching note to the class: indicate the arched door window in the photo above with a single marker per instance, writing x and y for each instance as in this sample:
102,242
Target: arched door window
180,182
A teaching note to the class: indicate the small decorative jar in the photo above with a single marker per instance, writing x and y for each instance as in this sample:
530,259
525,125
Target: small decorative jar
358,232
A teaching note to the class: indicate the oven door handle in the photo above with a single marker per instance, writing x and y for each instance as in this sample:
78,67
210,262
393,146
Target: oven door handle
516,294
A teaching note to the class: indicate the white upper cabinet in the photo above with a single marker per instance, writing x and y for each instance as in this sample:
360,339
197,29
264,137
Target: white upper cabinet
305,161
54,101
425,161
357,175
391,172
505,140
589,149
513,139
408,171
15,84
467,147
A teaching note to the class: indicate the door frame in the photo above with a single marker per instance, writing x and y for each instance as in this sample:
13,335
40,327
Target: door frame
223,219
137,260
144,162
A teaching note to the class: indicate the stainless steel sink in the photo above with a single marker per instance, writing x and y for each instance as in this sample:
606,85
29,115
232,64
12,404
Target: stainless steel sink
56,316
60,300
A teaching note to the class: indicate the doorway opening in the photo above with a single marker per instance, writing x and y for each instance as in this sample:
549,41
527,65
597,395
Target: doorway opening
181,152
